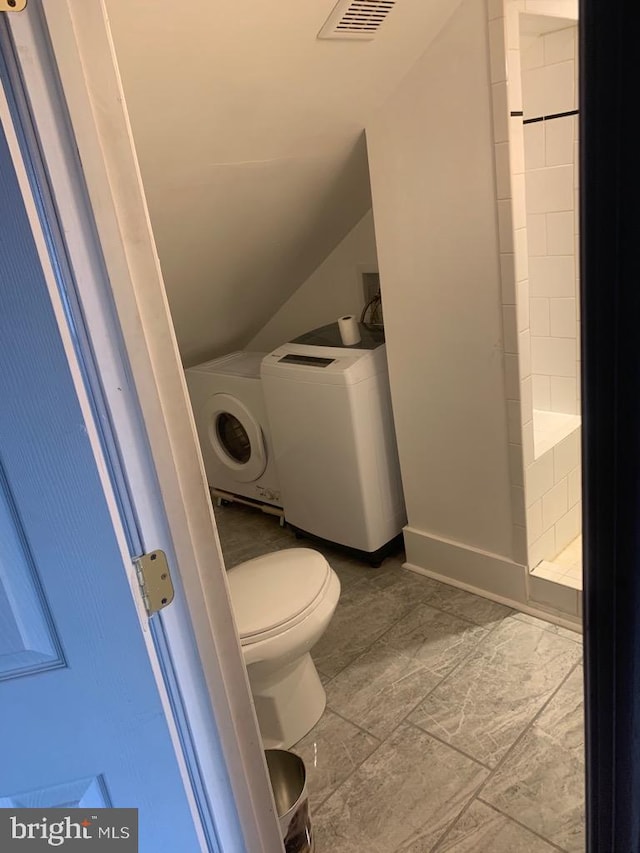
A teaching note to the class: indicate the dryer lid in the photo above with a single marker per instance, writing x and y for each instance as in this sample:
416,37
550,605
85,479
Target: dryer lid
274,589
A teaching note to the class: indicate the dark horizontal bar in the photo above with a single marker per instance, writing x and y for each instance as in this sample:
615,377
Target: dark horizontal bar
549,117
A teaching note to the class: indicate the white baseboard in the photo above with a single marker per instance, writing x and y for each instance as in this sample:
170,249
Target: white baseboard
480,572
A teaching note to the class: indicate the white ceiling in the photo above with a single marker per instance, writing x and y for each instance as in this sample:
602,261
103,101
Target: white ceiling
250,138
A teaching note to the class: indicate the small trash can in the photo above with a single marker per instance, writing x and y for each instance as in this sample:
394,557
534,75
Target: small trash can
289,783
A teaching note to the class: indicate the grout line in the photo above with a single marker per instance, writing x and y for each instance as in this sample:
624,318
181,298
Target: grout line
357,726
523,825
407,722
446,743
478,794
369,647
525,731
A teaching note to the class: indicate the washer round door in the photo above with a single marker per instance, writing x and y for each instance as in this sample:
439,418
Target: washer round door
236,437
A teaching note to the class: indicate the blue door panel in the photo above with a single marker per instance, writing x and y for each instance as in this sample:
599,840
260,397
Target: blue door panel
81,720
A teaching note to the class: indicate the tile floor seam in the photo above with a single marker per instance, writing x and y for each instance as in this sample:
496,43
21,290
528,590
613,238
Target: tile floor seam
428,693
446,743
492,771
549,627
409,712
511,610
467,805
520,737
357,725
368,648
381,742
523,825
452,672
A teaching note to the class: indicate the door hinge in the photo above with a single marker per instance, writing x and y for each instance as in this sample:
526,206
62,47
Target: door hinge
155,581
13,5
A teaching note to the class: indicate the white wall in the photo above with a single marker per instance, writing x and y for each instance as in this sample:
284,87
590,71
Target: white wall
249,132
434,202
334,289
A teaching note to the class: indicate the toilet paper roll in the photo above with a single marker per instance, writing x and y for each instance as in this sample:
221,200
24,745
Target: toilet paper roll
349,330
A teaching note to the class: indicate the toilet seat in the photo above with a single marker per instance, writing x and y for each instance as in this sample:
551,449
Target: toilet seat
273,593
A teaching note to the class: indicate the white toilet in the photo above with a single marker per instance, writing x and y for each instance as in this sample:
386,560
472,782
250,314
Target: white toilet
282,604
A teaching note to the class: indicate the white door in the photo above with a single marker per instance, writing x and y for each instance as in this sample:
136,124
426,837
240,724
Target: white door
81,714
99,705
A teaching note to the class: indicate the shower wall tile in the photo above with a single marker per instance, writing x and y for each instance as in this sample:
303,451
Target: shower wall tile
554,504
550,189
532,56
528,442
540,317
527,400
503,170
522,305
553,356
558,141
513,71
500,112
575,486
512,15
541,392
516,466
542,547
560,233
568,527
537,234
552,276
563,317
559,46
524,350
518,202
539,478
563,394
547,90
516,141
505,225
566,456
534,520
521,254
534,147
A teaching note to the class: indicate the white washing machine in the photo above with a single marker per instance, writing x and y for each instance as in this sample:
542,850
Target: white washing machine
228,406
329,409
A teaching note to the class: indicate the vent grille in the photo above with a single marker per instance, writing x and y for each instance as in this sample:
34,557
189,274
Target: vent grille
356,19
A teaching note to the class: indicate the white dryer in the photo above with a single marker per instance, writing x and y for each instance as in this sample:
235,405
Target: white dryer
228,407
329,408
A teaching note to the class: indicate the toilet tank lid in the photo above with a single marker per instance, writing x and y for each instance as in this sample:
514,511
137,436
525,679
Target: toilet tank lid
274,589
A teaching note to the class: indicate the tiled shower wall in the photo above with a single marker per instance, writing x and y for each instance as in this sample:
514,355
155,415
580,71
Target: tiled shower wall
545,491
550,101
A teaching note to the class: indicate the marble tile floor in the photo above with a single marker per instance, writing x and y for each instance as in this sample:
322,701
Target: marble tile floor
453,723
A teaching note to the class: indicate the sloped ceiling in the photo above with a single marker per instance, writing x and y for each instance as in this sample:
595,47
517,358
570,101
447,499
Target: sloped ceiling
250,138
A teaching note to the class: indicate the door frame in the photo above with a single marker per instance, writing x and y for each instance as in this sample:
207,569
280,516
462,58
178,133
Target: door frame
118,322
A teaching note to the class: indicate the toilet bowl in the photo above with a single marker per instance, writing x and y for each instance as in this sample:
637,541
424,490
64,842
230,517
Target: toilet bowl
283,603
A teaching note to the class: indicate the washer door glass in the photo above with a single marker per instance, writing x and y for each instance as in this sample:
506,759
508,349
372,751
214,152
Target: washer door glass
233,437
236,437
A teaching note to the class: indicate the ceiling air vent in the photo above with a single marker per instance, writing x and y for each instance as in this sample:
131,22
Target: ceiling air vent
356,19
